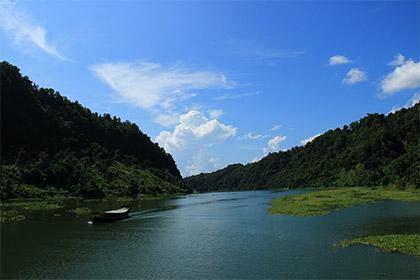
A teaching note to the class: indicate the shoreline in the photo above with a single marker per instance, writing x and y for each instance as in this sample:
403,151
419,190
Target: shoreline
322,202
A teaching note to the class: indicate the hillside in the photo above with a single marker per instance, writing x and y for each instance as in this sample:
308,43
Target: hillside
50,145
377,150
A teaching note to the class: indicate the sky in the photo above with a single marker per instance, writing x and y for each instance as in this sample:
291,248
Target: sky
217,83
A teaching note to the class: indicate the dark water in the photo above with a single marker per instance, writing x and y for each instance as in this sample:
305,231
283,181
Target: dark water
214,235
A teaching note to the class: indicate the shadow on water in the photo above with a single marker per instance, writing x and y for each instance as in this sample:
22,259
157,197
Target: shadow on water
400,225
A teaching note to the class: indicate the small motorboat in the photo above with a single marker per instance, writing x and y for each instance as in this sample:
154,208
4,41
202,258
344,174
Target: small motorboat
111,215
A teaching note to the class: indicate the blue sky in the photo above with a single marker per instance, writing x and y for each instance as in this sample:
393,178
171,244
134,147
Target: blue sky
219,82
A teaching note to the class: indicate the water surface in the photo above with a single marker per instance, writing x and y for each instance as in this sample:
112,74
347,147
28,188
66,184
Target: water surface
213,235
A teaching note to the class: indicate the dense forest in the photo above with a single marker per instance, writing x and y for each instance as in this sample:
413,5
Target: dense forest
377,150
52,146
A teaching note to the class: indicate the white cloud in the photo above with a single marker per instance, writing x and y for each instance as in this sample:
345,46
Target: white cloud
355,75
405,76
167,120
201,162
150,86
191,138
214,114
255,159
410,103
251,50
25,32
310,139
338,59
414,100
398,60
274,143
234,96
276,127
252,136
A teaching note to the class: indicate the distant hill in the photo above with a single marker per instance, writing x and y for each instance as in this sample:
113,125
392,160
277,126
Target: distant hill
50,146
377,150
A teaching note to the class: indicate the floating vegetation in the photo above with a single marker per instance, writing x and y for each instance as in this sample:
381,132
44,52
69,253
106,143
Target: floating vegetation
34,205
81,211
127,199
324,201
401,243
11,216
12,211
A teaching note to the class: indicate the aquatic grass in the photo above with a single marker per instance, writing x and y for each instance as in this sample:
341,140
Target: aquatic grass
11,216
150,197
322,202
401,243
154,197
31,205
81,211
128,199
14,210
141,197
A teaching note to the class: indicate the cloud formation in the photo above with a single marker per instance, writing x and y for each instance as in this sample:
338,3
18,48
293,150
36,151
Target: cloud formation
235,96
253,51
191,138
398,60
405,76
354,76
252,136
149,85
167,120
276,127
274,143
410,103
25,32
310,139
215,113
338,59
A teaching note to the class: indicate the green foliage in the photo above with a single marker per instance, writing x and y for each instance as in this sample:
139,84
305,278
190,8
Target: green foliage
402,243
34,205
11,216
377,150
321,202
11,211
51,146
81,211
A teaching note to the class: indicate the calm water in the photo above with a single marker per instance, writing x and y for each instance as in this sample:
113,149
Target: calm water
214,235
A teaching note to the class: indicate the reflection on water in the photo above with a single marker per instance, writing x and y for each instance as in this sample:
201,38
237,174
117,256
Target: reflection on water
214,235
400,225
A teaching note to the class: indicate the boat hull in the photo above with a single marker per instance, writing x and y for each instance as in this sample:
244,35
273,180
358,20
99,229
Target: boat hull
109,217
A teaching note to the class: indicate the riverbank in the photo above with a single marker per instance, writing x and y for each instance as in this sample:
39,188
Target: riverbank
16,210
400,243
322,202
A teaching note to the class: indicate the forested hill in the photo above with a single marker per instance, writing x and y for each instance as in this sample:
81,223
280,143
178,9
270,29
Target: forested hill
50,145
377,150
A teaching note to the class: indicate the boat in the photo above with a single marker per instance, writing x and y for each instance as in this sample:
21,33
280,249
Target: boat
111,215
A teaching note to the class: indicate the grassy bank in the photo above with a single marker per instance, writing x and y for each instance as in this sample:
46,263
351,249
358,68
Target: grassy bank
402,243
322,202
81,211
15,210
10,215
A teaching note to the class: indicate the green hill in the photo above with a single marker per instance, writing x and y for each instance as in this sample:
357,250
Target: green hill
377,150
50,146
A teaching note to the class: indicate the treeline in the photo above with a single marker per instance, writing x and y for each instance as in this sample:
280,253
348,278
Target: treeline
50,145
377,150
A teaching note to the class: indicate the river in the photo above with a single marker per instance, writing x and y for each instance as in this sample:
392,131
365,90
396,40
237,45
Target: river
208,236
